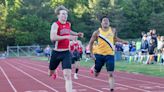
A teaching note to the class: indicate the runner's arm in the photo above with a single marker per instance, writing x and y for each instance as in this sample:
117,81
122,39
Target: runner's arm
93,38
117,39
77,34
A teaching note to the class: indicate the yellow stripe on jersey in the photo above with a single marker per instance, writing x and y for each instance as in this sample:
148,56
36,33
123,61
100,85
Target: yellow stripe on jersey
94,50
105,42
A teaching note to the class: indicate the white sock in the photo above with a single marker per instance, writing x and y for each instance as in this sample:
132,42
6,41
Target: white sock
111,83
68,85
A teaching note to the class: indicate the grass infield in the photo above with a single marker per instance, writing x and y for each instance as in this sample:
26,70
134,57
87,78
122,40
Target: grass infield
151,69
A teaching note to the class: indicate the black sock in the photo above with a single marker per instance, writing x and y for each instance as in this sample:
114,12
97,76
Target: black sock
111,90
76,70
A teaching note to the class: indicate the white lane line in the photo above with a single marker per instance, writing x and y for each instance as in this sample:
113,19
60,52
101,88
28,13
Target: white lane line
115,83
14,89
107,82
33,78
133,79
61,78
36,91
139,80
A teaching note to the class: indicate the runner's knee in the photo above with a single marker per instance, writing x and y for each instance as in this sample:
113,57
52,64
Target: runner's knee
110,74
67,75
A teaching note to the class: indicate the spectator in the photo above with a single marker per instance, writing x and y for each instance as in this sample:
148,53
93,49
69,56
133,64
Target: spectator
144,47
47,52
162,59
38,51
126,51
149,36
151,50
118,46
138,45
142,34
133,50
154,37
160,43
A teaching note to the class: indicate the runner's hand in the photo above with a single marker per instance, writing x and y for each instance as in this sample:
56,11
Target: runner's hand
80,34
93,57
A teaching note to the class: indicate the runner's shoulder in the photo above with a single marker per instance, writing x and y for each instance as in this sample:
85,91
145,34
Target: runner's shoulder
96,33
113,30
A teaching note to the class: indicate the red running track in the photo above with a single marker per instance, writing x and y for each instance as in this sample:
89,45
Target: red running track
26,75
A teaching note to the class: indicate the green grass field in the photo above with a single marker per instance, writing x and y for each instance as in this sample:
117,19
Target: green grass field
151,70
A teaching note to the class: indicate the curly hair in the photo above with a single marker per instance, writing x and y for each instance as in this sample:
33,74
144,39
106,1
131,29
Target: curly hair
59,8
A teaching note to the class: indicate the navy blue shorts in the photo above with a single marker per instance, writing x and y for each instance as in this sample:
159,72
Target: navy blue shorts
60,56
101,60
75,59
144,52
75,56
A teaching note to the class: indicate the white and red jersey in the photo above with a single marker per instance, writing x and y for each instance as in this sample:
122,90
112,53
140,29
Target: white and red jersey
63,30
76,44
80,49
72,47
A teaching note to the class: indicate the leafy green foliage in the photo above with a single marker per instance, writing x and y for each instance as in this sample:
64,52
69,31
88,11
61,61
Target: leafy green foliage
35,26
24,38
6,38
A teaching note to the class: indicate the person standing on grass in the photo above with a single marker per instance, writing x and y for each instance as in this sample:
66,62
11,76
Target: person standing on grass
151,52
47,52
60,35
144,48
106,36
162,59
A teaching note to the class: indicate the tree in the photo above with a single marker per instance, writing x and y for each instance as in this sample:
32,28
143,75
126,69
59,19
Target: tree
156,21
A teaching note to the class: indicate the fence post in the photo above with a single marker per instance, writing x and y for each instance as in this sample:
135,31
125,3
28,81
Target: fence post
29,54
18,50
7,54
